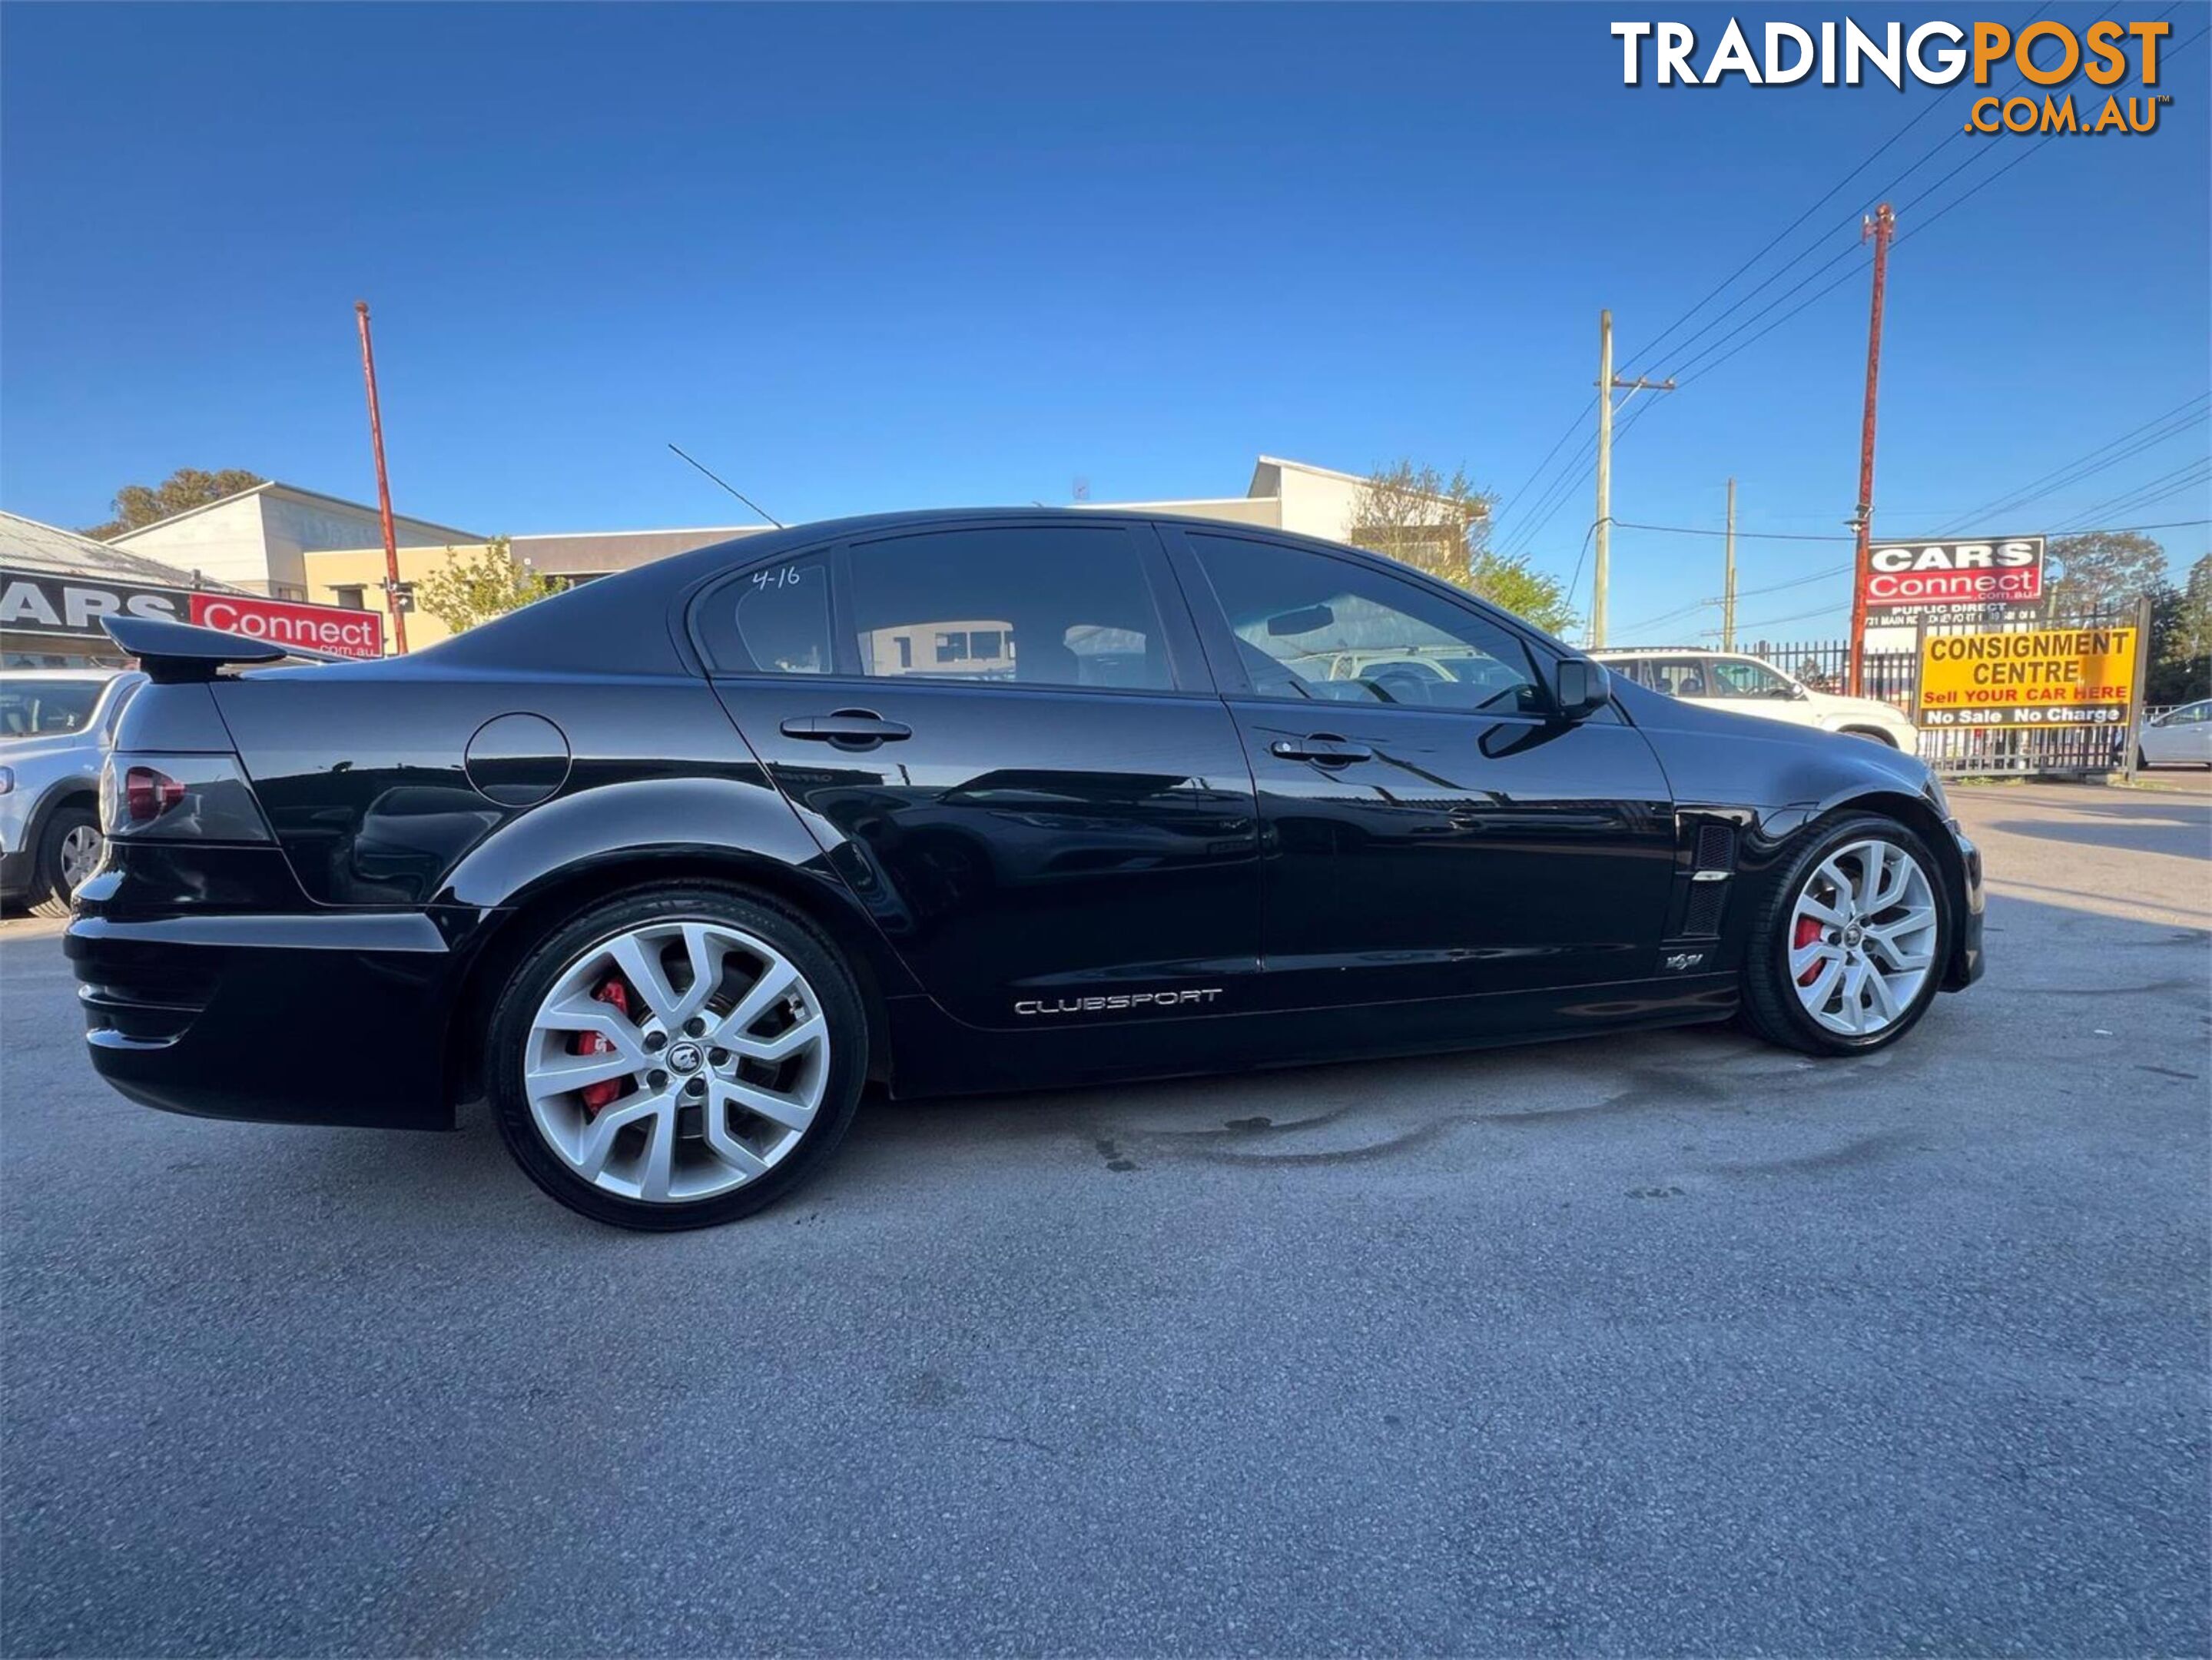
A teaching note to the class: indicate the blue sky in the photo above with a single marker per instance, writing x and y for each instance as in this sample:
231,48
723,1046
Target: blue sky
858,258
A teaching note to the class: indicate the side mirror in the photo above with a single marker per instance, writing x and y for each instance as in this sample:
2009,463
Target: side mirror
1580,687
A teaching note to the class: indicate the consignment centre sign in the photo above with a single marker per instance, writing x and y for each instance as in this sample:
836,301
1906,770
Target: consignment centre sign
2039,678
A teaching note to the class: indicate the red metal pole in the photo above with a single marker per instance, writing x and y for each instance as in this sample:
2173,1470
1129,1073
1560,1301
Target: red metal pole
1882,225
383,486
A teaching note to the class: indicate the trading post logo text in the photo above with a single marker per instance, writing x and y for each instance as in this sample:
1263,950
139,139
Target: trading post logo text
2048,56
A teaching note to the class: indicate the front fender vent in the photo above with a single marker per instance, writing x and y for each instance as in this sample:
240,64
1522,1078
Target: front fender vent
1712,863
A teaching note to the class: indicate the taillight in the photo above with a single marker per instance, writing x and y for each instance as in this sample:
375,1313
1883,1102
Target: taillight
197,798
147,792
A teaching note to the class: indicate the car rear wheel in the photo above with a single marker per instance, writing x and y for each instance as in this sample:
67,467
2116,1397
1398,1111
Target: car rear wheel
70,850
1846,951
677,1058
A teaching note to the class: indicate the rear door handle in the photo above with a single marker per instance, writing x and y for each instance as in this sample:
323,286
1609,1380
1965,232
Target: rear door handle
1323,749
853,728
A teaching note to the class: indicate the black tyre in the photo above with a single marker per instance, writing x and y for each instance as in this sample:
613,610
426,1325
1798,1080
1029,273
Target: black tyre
678,1058
1848,938
70,849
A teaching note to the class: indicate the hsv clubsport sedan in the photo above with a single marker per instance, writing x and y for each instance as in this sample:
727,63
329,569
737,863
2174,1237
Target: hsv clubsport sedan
670,867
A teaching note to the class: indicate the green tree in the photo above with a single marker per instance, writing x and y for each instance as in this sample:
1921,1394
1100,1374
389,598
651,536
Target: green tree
2105,571
2190,636
2180,669
135,506
1441,526
478,583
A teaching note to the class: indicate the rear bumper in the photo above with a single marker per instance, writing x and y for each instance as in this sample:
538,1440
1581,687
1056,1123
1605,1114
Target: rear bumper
1966,964
332,1018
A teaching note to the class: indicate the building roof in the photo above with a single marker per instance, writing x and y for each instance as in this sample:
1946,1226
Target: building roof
590,553
294,493
1266,461
1264,484
27,544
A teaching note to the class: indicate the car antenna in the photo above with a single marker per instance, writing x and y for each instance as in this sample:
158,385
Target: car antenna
735,491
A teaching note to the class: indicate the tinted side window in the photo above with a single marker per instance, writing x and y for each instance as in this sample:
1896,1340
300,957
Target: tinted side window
1048,605
771,621
1308,626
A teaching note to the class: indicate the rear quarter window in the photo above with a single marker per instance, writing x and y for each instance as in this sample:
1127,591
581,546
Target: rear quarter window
774,620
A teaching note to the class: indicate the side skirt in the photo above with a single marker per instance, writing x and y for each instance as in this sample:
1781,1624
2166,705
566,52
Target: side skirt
932,1053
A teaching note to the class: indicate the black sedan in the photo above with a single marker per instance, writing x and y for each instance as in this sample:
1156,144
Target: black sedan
670,867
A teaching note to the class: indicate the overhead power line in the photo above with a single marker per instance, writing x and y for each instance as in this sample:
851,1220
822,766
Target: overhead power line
1705,361
2193,475
1782,235
1524,515
1748,535
2160,427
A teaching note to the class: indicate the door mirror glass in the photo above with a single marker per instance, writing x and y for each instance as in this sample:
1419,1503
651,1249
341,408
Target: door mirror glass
1580,687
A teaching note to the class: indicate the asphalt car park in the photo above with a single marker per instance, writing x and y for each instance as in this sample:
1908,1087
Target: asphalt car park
1673,1342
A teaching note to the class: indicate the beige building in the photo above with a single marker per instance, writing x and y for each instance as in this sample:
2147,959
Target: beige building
1290,496
259,540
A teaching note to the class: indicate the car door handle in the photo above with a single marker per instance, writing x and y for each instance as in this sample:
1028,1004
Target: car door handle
1323,749
851,727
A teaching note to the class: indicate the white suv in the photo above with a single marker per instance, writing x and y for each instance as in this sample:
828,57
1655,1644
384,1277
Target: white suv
1750,686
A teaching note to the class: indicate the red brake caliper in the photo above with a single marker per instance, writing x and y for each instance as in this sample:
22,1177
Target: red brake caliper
1808,931
592,1043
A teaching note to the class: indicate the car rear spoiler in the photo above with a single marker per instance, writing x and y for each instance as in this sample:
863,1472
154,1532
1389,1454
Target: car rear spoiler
175,652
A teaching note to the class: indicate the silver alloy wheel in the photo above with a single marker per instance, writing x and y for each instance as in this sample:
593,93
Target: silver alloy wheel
80,855
1862,937
718,1065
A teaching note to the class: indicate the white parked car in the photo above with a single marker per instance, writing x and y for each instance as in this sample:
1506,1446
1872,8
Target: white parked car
1749,685
2180,737
54,728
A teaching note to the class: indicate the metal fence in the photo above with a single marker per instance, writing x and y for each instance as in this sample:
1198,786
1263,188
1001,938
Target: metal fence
1963,751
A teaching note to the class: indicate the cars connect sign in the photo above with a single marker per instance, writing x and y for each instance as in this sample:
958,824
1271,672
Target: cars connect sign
1990,580
72,607
318,627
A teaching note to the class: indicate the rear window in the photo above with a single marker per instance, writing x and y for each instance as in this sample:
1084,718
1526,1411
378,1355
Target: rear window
46,708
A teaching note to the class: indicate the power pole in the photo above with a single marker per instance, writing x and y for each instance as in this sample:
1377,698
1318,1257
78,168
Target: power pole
383,487
1608,384
1728,583
1882,227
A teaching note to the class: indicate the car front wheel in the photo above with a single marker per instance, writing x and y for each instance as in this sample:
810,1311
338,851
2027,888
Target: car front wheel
1847,947
677,1059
